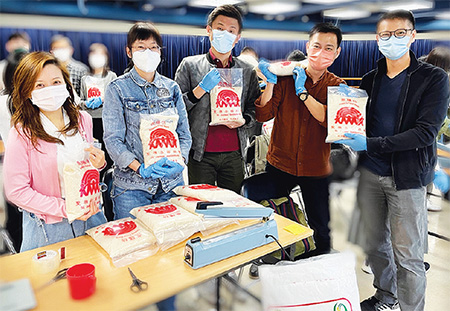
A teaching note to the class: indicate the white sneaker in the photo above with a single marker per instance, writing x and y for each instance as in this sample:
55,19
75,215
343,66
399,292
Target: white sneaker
433,207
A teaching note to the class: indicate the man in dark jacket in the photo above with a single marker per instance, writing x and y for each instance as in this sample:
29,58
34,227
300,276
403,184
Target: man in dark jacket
407,105
217,151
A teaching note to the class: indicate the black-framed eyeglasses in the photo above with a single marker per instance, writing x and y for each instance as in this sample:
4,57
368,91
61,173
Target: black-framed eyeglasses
398,33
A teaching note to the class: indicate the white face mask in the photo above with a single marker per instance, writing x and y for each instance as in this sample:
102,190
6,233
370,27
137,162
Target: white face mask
50,98
146,60
63,55
97,60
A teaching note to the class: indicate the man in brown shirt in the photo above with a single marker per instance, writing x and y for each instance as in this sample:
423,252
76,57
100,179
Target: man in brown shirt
298,154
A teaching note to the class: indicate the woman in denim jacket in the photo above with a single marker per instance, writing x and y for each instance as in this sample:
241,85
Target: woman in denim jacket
142,90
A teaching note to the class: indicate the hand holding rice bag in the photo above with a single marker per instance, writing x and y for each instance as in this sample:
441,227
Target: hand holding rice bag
81,186
159,138
225,98
346,112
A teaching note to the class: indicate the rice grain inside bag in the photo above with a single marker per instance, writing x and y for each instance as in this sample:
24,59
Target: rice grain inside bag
159,138
225,98
284,68
81,186
346,112
123,237
169,223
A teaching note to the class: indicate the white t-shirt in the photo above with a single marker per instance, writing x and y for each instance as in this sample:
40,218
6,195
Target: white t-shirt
71,151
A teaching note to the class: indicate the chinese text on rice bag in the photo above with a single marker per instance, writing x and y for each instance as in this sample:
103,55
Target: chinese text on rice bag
81,186
346,112
159,138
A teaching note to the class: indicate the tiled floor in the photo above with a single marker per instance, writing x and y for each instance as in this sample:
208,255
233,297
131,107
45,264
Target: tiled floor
201,298
438,277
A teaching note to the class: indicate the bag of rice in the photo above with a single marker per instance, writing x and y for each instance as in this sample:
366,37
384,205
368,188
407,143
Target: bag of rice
211,225
346,112
284,68
95,87
125,240
159,137
81,186
205,192
225,98
170,224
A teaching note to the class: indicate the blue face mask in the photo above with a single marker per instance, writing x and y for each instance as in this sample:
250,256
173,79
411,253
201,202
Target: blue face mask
223,40
394,47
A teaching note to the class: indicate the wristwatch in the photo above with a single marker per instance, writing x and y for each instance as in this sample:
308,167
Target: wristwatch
303,95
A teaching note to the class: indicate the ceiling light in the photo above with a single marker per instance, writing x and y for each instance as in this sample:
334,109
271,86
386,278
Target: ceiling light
411,5
326,1
347,13
443,15
211,3
274,8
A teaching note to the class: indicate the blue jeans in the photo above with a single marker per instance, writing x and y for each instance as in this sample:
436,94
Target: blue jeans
395,224
125,200
36,233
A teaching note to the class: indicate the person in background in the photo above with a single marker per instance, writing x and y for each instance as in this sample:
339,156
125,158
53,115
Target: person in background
17,42
298,154
217,151
61,47
440,57
93,86
142,90
407,103
296,56
48,131
13,216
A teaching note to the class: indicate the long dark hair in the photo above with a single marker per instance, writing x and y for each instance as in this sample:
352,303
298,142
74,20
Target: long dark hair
27,115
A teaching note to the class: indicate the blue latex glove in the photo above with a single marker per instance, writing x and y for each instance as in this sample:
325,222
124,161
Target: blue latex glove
210,80
345,89
357,142
441,181
94,103
263,65
153,171
300,79
170,169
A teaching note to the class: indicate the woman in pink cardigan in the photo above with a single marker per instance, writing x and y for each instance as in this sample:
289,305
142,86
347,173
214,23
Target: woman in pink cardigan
48,131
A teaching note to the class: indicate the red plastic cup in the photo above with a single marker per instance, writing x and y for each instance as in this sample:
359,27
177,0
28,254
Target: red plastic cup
81,280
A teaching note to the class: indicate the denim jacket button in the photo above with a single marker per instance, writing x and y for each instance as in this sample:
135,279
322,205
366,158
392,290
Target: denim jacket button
137,106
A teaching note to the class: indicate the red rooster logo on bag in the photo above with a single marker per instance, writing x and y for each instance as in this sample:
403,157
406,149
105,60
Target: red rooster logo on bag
164,209
90,183
227,98
94,92
160,138
121,228
349,115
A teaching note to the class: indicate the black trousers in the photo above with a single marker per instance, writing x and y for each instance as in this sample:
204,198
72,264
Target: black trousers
315,195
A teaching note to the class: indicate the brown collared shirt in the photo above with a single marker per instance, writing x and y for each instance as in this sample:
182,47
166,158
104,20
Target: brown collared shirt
297,145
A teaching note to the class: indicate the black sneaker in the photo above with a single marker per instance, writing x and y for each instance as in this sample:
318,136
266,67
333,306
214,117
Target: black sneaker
373,304
253,271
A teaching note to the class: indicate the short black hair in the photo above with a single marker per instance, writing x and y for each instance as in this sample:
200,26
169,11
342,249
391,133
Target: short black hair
398,14
327,28
440,57
296,56
143,31
247,49
226,10
19,35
